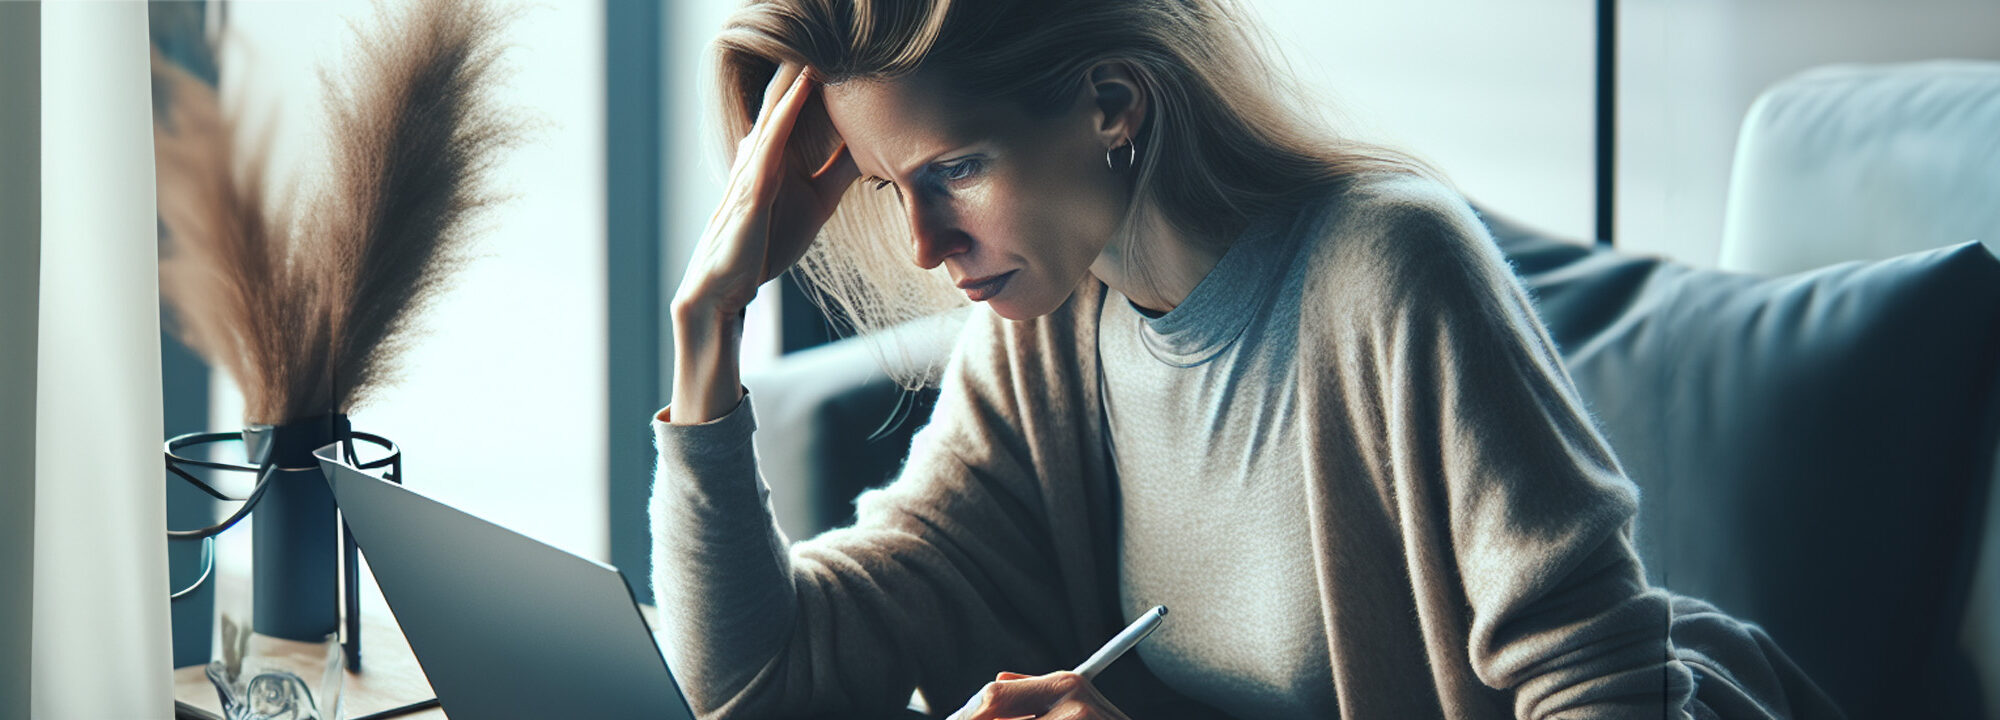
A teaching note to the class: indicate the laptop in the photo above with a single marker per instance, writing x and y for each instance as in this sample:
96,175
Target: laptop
504,625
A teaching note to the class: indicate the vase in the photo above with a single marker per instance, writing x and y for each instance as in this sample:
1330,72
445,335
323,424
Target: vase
295,546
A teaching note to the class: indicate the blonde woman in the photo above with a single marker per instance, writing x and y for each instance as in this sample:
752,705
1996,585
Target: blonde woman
1281,383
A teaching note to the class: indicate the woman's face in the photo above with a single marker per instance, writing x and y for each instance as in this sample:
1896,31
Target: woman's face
1014,206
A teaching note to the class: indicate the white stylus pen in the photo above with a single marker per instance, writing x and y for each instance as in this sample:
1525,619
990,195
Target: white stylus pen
1125,640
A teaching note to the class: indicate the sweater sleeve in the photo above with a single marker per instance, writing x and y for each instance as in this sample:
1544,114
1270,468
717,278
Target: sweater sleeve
1514,515
959,568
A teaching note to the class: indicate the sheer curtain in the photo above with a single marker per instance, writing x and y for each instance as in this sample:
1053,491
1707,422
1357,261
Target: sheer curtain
100,641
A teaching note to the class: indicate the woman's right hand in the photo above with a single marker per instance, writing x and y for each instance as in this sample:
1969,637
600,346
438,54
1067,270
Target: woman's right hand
1060,694
773,207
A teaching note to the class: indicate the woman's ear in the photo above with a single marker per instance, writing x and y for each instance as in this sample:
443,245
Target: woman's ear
1117,100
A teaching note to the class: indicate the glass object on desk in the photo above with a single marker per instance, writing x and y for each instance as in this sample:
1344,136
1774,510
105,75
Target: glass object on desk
265,683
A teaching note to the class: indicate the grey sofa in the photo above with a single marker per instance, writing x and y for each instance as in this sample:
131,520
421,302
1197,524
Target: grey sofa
1814,451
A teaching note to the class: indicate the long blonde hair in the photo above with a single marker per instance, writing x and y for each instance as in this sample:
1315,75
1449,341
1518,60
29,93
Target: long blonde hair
1221,143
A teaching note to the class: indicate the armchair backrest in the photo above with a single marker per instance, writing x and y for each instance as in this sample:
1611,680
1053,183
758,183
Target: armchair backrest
1865,162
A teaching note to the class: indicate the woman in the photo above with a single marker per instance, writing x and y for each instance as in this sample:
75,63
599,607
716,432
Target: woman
1280,383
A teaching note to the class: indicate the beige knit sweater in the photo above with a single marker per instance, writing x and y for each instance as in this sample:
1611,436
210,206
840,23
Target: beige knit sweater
1471,529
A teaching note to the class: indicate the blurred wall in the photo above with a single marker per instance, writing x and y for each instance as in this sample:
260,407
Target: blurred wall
1497,95
1690,69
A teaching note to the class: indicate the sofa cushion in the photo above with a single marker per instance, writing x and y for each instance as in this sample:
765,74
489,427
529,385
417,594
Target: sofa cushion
1813,451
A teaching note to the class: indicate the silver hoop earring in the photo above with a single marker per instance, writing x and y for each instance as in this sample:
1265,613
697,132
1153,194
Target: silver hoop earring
1131,157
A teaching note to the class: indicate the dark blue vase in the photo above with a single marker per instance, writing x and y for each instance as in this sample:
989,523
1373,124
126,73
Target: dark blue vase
295,546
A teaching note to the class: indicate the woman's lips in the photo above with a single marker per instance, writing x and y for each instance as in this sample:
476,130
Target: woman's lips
983,290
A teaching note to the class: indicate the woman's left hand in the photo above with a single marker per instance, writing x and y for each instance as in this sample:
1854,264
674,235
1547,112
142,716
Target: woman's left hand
1058,695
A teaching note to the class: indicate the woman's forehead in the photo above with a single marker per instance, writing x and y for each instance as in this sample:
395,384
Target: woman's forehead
893,124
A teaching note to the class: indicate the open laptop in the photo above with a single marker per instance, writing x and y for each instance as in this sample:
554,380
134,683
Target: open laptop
504,626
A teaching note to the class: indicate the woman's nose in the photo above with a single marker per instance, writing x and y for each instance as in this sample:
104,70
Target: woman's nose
937,237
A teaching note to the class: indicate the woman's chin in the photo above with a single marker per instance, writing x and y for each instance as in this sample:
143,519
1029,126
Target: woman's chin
1011,311
1025,306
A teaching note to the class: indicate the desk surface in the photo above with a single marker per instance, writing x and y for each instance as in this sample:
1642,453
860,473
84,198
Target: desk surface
389,677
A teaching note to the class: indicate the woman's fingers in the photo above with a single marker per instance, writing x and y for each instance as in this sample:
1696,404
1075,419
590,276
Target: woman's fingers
787,74
1057,695
749,177
747,145
768,152
781,81
773,123
1013,695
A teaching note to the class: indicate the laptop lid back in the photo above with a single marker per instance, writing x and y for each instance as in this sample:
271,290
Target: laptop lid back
504,625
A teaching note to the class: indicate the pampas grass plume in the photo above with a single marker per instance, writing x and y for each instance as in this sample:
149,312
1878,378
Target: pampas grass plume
308,309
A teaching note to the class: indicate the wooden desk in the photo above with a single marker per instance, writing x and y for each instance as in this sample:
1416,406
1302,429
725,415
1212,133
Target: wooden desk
389,677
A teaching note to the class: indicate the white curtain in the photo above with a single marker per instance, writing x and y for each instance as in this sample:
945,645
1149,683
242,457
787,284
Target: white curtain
101,644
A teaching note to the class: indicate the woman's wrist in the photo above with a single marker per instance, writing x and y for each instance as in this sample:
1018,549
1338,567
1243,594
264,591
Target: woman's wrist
708,340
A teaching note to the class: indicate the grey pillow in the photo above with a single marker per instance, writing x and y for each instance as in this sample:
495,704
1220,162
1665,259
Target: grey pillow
1813,451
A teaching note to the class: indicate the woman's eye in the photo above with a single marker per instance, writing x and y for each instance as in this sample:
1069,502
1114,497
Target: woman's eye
959,170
